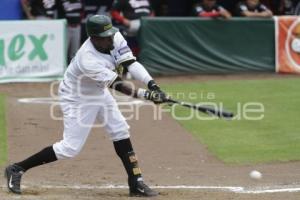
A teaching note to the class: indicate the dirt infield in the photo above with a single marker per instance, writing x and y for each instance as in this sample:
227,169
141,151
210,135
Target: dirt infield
171,159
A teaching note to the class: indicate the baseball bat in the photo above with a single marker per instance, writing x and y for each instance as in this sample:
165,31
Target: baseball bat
204,109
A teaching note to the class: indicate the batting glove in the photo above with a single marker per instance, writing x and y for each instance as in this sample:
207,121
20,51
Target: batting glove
152,86
156,96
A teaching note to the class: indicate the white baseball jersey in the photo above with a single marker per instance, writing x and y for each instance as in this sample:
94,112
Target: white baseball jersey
90,71
85,97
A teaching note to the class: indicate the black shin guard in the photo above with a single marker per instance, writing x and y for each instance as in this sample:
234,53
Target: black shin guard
125,152
46,155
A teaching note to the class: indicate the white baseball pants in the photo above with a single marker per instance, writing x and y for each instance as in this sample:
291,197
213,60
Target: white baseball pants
79,117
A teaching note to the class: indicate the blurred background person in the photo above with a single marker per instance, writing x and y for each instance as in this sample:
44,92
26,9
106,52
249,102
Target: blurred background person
129,12
38,9
253,8
72,11
126,15
287,7
210,8
296,7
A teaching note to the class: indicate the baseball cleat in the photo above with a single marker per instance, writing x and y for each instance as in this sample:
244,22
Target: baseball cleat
142,190
13,174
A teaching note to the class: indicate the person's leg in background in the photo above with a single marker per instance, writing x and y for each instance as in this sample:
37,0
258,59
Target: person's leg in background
74,37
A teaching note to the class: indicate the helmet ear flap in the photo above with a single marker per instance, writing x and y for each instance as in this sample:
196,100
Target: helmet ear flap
91,30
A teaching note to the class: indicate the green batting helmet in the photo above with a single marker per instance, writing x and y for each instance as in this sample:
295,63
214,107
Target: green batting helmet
100,26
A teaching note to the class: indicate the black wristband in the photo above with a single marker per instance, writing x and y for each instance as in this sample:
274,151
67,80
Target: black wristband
152,85
117,84
127,63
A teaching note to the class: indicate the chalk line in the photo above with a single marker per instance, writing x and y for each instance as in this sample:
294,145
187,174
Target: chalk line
50,100
235,189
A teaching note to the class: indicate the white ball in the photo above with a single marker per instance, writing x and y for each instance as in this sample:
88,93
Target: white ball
255,174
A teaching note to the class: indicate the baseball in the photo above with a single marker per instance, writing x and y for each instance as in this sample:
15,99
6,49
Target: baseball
255,174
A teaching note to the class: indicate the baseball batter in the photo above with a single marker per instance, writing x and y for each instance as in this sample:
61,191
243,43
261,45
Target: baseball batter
85,97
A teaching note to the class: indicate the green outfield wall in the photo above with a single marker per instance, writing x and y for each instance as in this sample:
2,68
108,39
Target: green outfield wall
189,45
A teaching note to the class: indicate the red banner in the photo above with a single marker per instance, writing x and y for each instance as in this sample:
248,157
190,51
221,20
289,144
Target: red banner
287,44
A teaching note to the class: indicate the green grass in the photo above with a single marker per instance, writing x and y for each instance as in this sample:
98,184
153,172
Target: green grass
274,138
3,138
